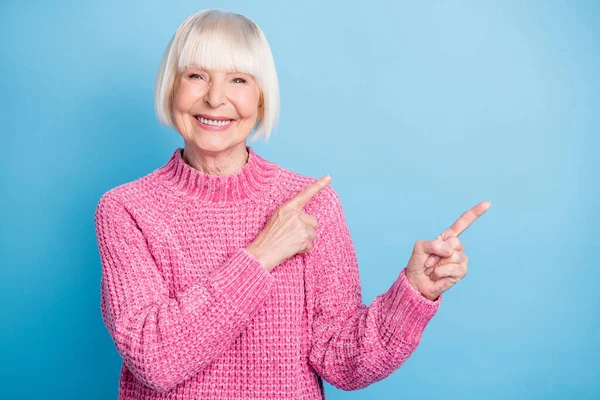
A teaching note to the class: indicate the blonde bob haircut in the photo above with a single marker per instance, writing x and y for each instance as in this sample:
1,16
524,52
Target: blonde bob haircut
225,41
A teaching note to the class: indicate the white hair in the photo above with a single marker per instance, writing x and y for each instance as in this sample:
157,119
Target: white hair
219,40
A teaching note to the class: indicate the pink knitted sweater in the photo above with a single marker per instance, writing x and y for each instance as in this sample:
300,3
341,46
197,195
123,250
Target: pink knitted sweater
195,316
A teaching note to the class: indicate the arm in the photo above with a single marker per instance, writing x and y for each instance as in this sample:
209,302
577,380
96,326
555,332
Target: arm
165,340
352,345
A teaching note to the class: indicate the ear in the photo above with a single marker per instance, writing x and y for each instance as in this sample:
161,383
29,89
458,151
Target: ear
261,106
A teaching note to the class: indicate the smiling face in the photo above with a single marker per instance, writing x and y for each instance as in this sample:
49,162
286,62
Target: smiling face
215,110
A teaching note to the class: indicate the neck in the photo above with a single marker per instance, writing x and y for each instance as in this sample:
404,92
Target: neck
224,162
251,178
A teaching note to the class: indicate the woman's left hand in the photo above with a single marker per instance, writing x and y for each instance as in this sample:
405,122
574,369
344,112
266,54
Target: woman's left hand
436,265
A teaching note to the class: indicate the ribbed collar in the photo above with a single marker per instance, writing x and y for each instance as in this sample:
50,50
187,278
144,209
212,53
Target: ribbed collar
252,181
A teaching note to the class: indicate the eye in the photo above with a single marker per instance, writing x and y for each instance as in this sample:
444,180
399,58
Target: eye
194,75
241,79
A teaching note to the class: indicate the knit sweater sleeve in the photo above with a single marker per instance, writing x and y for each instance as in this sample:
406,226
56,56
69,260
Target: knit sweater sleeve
352,345
165,339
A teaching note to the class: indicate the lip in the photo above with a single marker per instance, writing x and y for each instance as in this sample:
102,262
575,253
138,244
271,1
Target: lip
212,117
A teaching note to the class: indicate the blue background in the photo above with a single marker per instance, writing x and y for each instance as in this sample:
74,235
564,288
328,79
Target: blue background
418,111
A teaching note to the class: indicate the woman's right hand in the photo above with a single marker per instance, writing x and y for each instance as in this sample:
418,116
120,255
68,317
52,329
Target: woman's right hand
289,230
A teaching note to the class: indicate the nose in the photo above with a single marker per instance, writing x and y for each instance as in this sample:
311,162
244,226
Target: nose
215,94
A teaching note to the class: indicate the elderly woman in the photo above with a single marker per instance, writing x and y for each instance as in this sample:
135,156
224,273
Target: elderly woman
226,276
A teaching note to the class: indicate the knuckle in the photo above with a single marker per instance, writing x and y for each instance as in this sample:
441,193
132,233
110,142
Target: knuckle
455,242
443,247
282,210
295,215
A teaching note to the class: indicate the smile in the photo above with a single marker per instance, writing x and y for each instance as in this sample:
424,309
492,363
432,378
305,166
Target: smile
213,125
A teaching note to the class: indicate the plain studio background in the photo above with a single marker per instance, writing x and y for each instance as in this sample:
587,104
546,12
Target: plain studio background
417,110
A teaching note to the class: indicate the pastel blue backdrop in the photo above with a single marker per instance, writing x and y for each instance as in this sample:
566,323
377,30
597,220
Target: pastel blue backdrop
418,110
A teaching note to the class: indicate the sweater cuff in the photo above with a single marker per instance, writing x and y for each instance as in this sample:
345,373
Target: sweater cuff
244,280
408,311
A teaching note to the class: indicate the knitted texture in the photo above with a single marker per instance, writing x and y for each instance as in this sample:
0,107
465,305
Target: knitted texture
195,316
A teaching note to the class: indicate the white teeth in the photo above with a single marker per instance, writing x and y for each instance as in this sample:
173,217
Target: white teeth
213,122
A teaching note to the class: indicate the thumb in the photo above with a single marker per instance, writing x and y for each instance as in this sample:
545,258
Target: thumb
431,261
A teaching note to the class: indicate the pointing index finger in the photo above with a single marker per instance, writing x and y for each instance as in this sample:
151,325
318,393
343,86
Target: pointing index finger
466,219
308,192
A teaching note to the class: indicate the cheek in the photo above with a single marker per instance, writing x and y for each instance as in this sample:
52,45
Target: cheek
184,97
181,101
247,105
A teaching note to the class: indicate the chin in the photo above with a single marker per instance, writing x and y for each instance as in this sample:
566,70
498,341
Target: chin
212,144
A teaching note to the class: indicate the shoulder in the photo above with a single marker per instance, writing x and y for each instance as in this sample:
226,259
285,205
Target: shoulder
127,192
332,229
141,197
